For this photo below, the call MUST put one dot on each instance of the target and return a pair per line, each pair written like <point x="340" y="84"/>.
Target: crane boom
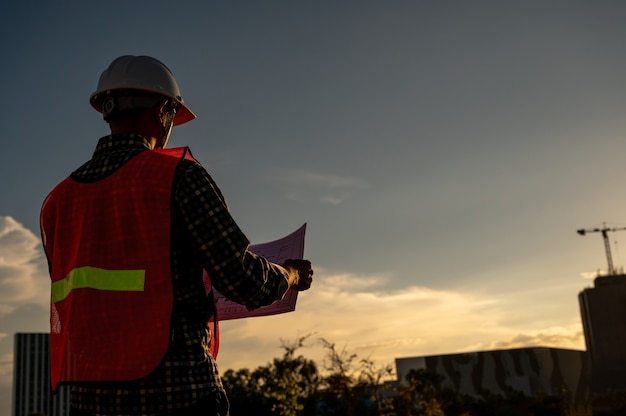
<point x="607" y="246"/>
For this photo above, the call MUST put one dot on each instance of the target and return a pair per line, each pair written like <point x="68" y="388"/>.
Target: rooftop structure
<point x="32" y="393"/>
<point x="532" y="371"/>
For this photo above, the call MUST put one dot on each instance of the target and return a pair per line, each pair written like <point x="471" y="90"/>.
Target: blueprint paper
<point x="288" y="247"/>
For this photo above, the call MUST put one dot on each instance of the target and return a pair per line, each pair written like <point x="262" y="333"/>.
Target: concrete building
<point x="603" y="312"/>
<point x="532" y="371"/>
<point x="31" y="378"/>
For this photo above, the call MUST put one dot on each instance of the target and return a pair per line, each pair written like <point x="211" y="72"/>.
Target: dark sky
<point x="443" y="153"/>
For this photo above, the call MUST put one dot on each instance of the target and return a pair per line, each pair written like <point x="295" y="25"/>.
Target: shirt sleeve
<point x="221" y="247"/>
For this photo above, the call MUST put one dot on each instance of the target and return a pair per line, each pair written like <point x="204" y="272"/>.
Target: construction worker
<point x="127" y="236"/>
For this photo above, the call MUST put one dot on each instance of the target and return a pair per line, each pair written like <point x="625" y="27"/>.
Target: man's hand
<point x="300" y="274"/>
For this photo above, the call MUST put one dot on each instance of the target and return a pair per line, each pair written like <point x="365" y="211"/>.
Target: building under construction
<point x="603" y="312"/>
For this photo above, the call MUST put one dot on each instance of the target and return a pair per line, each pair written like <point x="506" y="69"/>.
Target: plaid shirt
<point x="204" y="236"/>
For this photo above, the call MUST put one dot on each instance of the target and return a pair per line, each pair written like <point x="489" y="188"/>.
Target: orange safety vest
<point x="108" y="246"/>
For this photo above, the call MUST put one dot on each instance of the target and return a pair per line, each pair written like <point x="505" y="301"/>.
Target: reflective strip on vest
<point x="101" y="279"/>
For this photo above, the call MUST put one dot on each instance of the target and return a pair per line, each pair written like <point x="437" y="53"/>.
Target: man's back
<point x="188" y="367"/>
<point x="140" y="100"/>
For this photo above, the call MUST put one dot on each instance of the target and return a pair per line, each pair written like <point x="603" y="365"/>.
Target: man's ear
<point x="162" y="106"/>
<point x="157" y="112"/>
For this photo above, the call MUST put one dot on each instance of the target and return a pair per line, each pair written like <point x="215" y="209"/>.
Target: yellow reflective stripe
<point x="101" y="279"/>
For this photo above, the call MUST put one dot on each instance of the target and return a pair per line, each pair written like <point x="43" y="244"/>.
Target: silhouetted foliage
<point x="285" y="387"/>
<point x="338" y="383"/>
<point x="373" y="378"/>
<point x="292" y="386"/>
<point x="245" y="392"/>
<point x="610" y="404"/>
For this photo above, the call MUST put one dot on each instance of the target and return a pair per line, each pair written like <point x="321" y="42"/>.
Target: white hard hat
<point x="143" y="74"/>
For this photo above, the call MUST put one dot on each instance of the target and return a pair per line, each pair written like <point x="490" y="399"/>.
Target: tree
<point x="291" y="386"/>
<point x="341" y="378"/>
<point x="293" y="380"/>
<point x="285" y="387"/>
<point x="373" y="378"/>
<point x="245" y="392"/>
<point x="422" y="392"/>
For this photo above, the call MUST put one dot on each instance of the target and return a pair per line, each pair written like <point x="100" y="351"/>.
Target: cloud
<point x="6" y="379"/>
<point x="357" y="312"/>
<point x="558" y="337"/>
<point x="23" y="271"/>
<point x="24" y="292"/>
<point x="305" y="185"/>
<point x="597" y="273"/>
<point x="6" y="369"/>
<point x="30" y="317"/>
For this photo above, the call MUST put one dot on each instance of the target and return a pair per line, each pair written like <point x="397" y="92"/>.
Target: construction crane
<point x="607" y="246"/>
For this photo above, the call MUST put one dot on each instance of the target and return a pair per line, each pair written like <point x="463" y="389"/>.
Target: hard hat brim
<point x="183" y="115"/>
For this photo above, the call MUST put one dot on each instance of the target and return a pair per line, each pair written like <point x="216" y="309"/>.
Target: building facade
<point x="32" y="393"/>
<point x="532" y="371"/>
<point x="603" y="312"/>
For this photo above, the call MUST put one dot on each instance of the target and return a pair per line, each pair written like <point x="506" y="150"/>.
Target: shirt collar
<point x="117" y="142"/>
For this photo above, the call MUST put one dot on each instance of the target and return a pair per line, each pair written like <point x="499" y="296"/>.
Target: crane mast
<point x="607" y="245"/>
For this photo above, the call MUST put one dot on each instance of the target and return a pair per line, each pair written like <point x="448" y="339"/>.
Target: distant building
<point x="603" y="311"/>
<point x="531" y="371"/>
<point x="31" y="378"/>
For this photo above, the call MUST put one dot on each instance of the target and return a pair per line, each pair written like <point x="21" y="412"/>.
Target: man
<point x="127" y="237"/>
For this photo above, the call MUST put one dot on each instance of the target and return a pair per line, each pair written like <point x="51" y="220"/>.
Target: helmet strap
<point x="167" y="112"/>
